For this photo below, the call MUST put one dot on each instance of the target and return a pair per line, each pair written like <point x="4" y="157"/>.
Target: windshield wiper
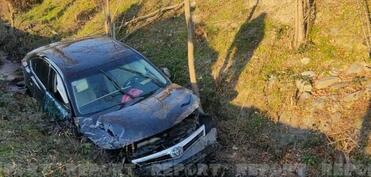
<point x="109" y="107"/>
<point x="132" y="102"/>
<point x="156" y="80"/>
<point x="117" y="86"/>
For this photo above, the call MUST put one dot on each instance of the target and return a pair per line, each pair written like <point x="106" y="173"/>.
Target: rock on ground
<point x="353" y="96"/>
<point x="303" y="85"/>
<point x="305" y="60"/>
<point x="355" y="68"/>
<point x="326" y="82"/>
<point x="304" y="96"/>
<point x="309" y="74"/>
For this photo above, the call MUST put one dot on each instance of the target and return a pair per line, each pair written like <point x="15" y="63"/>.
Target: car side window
<point x="41" y="69"/>
<point x="57" y="88"/>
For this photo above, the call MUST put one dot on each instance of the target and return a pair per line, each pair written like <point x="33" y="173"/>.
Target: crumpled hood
<point x="151" y="116"/>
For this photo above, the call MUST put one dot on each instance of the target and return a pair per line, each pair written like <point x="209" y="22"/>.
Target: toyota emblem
<point x="176" y="152"/>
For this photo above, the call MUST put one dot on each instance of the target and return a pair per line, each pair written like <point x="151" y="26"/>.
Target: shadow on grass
<point x="248" y="135"/>
<point x="17" y="43"/>
<point x="257" y="138"/>
<point x="245" y="133"/>
<point x="364" y="135"/>
<point x="245" y="42"/>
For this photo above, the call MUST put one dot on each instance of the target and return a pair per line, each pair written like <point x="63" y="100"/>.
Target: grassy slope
<point x="236" y="55"/>
<point x="30" y="138"/>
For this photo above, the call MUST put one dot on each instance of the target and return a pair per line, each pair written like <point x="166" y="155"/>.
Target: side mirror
<point x="166" y="71"/>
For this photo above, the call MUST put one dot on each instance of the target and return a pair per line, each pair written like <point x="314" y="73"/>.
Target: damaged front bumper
<point x="192" y="149"/>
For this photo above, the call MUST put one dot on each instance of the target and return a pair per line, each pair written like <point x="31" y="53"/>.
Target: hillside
<point x="273" y="104"/>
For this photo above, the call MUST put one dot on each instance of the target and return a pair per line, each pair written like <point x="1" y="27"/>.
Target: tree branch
<point x="158" y="13"/>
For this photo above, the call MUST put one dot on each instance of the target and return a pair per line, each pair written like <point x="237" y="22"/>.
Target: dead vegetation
<point x="137" y="23"/>
<point x="22" y="5"/>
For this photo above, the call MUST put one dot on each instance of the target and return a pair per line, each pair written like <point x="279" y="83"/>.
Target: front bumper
<point x="198" y="151"/>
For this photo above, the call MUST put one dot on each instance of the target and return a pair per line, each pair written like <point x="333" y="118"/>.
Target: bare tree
<point x="299" y="24"/>
<point x="305" y="12"/>
<point x="141" y="21"/>
<point x="108" y="19"/>
<point x="191" y="60"/>
<point x="11" y="12"/>
<point x="191" y="63"/>
<point x="366" y="24"/>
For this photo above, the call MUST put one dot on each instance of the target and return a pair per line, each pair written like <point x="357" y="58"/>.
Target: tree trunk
<point x="300" y="30"/>
<point x="11" y="16"/>
<point x="108" y="20"/>
<point x="366" y="24"/>
<point x="191" y="62"/>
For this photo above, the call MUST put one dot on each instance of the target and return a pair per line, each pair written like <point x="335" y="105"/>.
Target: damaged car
<point x="118" y="99"/>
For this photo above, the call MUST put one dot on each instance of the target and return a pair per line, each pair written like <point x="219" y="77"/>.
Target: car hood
<point x="133" y="123"/>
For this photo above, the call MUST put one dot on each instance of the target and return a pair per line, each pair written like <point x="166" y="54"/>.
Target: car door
<point x="45" y="89"/>
<point x="56" y="102"/>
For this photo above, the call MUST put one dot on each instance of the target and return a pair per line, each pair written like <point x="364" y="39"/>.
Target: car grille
<point x="157" y="159"/>
<point x="189" y="144"/>
<point x="166" y="139"/>
<point x="166" y="154"/>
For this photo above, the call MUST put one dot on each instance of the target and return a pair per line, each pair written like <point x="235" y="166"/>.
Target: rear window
<point x="41" y="69"/>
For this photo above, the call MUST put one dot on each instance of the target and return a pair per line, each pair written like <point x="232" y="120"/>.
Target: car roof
<point x="74" y="56"/>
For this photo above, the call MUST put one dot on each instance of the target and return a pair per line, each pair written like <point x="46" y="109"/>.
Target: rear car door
<point x="48" y="90"/>
<point x="56" y="102"/>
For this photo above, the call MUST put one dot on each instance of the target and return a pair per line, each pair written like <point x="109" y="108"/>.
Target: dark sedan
<point x="119" y="100"/>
